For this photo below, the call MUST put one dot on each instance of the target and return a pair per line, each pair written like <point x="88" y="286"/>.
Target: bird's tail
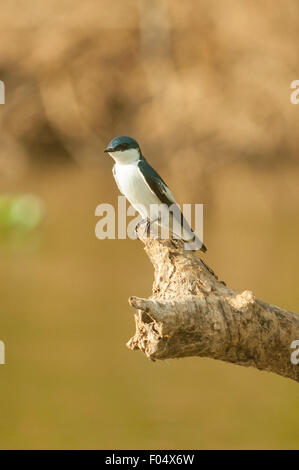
<point x="192" y="241"/>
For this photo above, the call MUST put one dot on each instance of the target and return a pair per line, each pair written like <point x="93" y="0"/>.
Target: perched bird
<point x="146" y="190"/>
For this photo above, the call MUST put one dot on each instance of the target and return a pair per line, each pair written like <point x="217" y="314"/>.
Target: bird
<point x="145" y="190"/>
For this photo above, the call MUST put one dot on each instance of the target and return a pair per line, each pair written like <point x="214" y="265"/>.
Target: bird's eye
<point x="124" y="146"/>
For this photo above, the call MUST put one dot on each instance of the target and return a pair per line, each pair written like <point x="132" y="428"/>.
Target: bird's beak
<point x="108" y="149"/>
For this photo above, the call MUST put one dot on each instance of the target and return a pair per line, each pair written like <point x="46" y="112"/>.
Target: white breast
<point x="133" y="186"/>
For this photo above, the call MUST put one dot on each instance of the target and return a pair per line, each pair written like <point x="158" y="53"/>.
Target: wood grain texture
<point x="192" y="313"/>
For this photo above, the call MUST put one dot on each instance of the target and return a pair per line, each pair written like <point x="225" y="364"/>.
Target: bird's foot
<point x="149" y="224"/>
<point x="141" y="222"/>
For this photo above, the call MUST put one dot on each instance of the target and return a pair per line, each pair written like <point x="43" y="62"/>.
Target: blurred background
<point x="204" y="86"/>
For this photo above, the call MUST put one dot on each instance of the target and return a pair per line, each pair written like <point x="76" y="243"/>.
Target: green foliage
<point x="20" y="213"/>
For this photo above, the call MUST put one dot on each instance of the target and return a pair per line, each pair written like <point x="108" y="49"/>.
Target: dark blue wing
<point x="161" y="190"/>
<point x="155" y="183"/>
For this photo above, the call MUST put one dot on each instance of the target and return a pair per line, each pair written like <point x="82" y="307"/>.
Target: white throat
<point x="125" y="157"/>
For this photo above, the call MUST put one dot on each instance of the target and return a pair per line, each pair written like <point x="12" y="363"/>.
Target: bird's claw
<point x="141" y="222"/>
<point x="147" y="227"/>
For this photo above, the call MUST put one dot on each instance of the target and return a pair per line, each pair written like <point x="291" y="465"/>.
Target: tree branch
<point x="192" y="313"/>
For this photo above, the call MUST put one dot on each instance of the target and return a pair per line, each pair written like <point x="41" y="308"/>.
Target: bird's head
<point x="123" y="149"/>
